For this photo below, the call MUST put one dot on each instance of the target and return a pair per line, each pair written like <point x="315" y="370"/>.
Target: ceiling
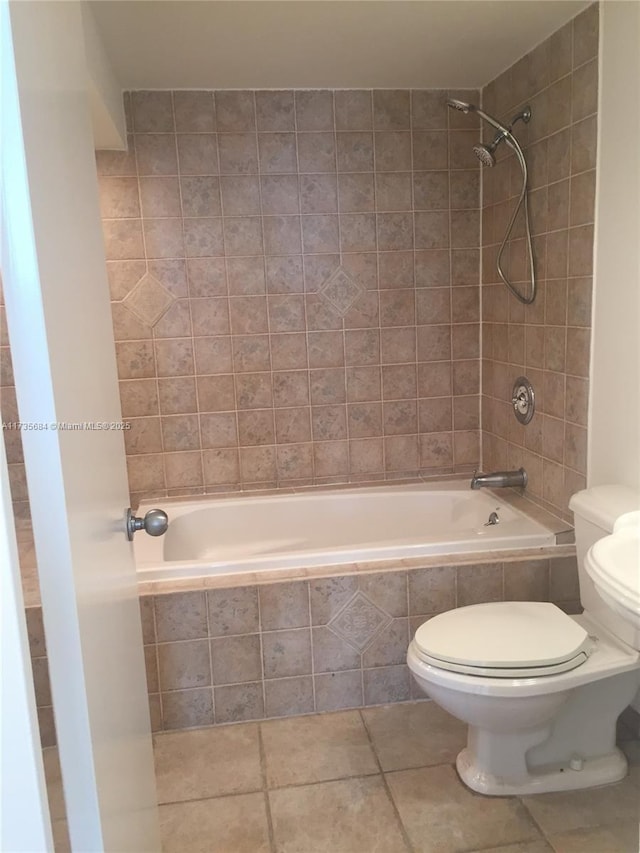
<point x="182" y="44"/>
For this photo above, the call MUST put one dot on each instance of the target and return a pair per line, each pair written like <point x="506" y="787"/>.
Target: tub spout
<point x="500" y="479"/>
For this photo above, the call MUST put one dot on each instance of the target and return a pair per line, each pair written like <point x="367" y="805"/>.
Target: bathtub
<point x="328" y="527"/>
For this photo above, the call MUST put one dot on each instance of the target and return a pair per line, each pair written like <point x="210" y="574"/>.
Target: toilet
<point x="541" y="691"/>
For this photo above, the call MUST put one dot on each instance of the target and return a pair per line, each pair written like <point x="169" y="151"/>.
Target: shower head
<point x="484" y="153"/>
<point x="462" y="106"/>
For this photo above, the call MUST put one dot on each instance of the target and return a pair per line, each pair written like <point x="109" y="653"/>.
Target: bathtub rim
<point x="192" y="574"/>
<point x="267" y="577"/>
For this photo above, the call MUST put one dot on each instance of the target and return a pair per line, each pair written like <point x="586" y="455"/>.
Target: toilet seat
<point x="514" y="639"/>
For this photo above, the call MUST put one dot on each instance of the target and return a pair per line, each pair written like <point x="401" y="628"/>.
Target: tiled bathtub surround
<point x="282" y="649"/>
<point x="9" y="413"/>
<point x="295" y="286"/>
<point x="549" y="340"/>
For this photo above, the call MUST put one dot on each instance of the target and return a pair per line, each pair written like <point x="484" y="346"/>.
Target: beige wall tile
<point x="287" y="653"/>
<point x="194" y="112"/>
<point x="286" y="697"/>
<point x="284" y="605"/>
<point x="479" y="583"/>
<point x="235" y="110"/>
<point x="237" y="702"/>
<point x="258" y="142"/>
<point x="156" y="154"/>
<point x="432" y="590"/>
<point x="526" y="581"/>
<point x="184" y="709"/>
<point x="183" y="665"/>
<point x="180" y="616"/>
<point x="338" y="690"/>
<point x="236" y="659"/>
<point x="355" y="152"/>
<point x="275" y="110"/>
<point x="152" y="112"/>
<point x="353" y="109"/>
<point x="221" y="467"/>
<point x="238" y="154"/>
<point x="292" y="425"/>
<point x="386" y="684"/>
<point x="233" y="611"/>
<point x="585" y="35"/>
<point x="35" y="630"/>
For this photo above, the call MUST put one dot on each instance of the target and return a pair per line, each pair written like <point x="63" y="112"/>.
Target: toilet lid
<point x="513" y="635"/>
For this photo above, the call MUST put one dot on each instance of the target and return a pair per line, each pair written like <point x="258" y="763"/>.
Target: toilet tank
<point x="595" y="512"/>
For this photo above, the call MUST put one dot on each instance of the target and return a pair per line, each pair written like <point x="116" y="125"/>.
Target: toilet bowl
<point x="541" y="691"/>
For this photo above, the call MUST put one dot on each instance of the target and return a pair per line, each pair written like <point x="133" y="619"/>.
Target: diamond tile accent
<point x="359" y="621"/>
<point x="340" y="291"/>
<point x="148" y="300"/>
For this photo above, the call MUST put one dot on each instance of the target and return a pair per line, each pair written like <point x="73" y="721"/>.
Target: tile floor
<point x="379" y="780"/>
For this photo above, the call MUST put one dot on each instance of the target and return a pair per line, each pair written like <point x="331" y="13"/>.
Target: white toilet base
<point x="594" y="772"/>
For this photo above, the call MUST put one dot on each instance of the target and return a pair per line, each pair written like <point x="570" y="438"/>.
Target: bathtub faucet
<point x="499" y="479"/>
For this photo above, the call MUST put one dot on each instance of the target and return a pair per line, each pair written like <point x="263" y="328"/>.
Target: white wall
<point x="614" y="410"/>
<point x="105" y="91"/>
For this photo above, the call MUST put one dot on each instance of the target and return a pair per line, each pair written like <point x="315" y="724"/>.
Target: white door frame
<point x="24" y="810"/>
<point x="59" y="320"/>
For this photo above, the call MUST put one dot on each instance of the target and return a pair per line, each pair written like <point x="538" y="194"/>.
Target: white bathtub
<point x="221" y="536"/>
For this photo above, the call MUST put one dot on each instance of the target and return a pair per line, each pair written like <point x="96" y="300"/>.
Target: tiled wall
<point x="549" y="340"/>
<point x="9" y="414"/>
<point x="295" y="285"/>
<point x="282" y="649"/>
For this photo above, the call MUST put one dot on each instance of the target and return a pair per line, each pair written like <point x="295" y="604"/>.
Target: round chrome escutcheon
<point x="523" y="399"/>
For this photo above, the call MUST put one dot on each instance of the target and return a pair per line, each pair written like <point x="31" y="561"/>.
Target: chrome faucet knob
<point x="155" y="523"/>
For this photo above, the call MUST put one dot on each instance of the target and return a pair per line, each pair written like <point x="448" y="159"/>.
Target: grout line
<point x="313" y="662"/>
<point x="267" y="295"/>
<point x="303" y="266"/>
<point x="210" y="644"/>
<point x="190" y="306"/>
<point x="214" y="797"/>
<point x="157" y="657"/>
<point x="261" y="642"/>
<point x="152" y="338"/>
<point x="385" y="783"/>
<point x="534" y="821"/>
<point x="265" y="789"/>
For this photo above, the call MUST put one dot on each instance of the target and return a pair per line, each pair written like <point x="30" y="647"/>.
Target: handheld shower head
<point x="462" y="106"/>
<point x="485" y="153"/>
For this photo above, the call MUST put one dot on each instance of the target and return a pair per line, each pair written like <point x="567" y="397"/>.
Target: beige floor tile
<point x="302" y="750"/>
<point x="621" y="838"/>
<point x="53" y="777"/>
<point x="414" y="735"/>
<point x="207" y="763"/>
<point x="566" y="810"/>
<point x="235" y="824"/>
<point x="442" y="816"/>
<point x="347" y="816"/>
